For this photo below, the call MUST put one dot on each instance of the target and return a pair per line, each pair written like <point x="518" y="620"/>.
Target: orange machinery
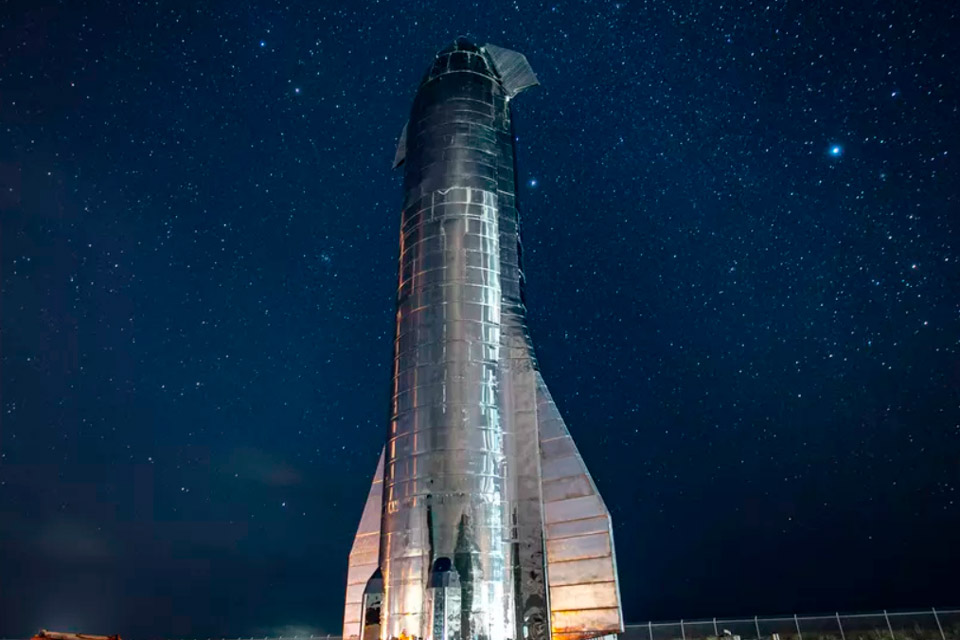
<point x="57" y="635"/>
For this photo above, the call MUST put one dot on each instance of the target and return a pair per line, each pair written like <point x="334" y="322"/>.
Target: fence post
<point x="796" y="621"/>
<point x="716" y="632"/>
<point x="756" y="624"/>
<point x="889" y="626"/>
<point x="840" y="624"/>
<point x="650" y="627"/>
<point x="939" y="626"/>
<point x="682" y="632"/>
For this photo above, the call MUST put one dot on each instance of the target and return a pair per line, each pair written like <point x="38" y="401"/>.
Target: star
<point x="836" y="151"/>
<point x="533" y="182"/>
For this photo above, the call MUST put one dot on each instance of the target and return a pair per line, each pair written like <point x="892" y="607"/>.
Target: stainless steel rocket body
<point x="444" y="483"/>
<point x="481" y="510"/>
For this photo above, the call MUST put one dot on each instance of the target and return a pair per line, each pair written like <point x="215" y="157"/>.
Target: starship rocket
<point x="482" y="522"/>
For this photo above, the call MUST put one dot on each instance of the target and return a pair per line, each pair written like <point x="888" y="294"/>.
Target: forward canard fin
<point x="515" y="72"/>
<point x="401" y="154"/>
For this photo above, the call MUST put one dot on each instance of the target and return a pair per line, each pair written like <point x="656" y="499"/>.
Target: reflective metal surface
<point x="445" y="475"/>
<point x="364" y="557"/>
<point x="466" y="549"/>
<point x="581" y="563"/>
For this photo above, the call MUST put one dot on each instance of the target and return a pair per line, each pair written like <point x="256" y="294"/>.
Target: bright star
<point x="836" y="151"/>
<point x="297" y="91"/>
<point x="263" y="43"/>
<point x="533" y="182"/>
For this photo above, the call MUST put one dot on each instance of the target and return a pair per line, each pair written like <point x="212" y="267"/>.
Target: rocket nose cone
<point x="462" y="43"/>
<point x="462" y="55"/>
<point x="465" y="44"/>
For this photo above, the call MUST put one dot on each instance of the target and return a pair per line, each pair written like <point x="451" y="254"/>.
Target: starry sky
<point x="741" y="242"/>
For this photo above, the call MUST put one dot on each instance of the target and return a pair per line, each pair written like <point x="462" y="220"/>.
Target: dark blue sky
<point x="741" y="242"/>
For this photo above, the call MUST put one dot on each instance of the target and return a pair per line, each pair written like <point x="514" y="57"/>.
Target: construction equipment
<point x="58" y="635"/>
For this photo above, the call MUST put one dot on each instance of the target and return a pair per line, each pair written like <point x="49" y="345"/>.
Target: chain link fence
<point x="933" y="624"/>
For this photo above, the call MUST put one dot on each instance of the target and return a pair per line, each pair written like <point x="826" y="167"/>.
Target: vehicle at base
<point x="59" y="635"/>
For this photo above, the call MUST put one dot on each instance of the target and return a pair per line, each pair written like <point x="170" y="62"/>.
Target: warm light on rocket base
<point x="482" y="522"/>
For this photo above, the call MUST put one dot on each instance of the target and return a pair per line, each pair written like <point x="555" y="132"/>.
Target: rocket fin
<point x="584" y="591"/>
<point x="364" y="557"/>
<point x="401" y="153"/>
<point x="527" y="561"/>
<point x="516" y="74"/>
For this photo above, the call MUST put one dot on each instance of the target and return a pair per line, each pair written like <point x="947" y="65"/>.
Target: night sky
<point x="741" y="244"/>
